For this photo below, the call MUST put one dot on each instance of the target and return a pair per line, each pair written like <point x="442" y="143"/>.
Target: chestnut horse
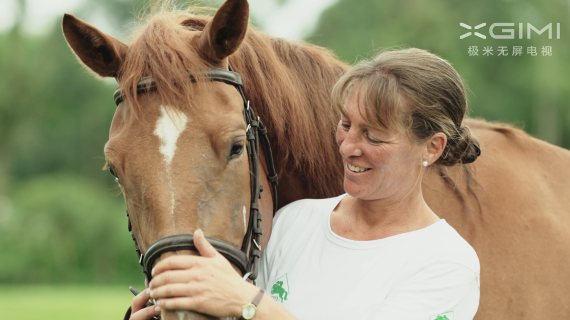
<point x="175" y="151"/>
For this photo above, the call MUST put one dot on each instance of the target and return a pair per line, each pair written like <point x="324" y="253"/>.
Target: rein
<point x="246" y="258"/>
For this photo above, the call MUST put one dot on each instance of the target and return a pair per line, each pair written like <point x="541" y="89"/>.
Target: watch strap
<point x="258" y="297"/>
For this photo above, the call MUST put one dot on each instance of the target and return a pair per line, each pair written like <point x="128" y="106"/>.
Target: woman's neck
<point x="362" y="220"/>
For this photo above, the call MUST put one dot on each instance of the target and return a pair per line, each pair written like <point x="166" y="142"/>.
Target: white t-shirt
<point x="431" y="273"/>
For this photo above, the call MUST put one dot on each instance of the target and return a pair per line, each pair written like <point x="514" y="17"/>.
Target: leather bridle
<point x="246" y="259"/>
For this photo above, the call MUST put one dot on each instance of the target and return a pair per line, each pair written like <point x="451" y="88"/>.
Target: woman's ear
<point x="100" y="52"/>
<point x="435" y="146"/>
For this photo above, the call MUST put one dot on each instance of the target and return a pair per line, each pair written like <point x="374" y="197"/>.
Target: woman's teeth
<point x="357" y="169"/>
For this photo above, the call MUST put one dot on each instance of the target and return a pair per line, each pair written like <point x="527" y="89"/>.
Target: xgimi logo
<point x="509" y="33"/>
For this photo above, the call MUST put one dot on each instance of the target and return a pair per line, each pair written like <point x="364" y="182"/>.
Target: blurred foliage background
<point x="530" y="92"/>
<point x="61" y="220"/>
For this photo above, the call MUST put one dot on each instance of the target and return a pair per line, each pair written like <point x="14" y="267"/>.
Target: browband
<point x="148" y="84"/>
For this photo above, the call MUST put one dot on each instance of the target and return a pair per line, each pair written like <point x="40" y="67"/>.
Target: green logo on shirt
<point x="280" y="289"/>
<point x="443" y="316"/>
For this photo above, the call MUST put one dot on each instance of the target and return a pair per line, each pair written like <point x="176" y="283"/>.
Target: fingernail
<point x="156" y="309"/>
<point x="152" y="293"/>
<point x="152" y="273"/>
<point x="199" y="231"/>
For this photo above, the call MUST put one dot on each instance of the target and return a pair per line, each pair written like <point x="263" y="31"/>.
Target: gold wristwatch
<point x="249" y="309"/>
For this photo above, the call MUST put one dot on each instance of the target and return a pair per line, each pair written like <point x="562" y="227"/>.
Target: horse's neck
<point x="292" y="96"/>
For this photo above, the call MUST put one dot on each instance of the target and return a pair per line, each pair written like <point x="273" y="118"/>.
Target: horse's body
<point x="521" y="233"/>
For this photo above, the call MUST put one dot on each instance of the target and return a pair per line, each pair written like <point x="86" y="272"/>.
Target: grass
<point x="32" y="302"/>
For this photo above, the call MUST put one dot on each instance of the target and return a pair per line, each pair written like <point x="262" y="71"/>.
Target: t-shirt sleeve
<point x="445" y="291"/>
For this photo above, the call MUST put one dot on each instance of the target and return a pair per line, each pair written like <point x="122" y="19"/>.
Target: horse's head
<point x="178" y="151"/>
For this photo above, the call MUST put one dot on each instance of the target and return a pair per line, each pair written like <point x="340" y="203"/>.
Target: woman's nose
<point x="349" y="144"/>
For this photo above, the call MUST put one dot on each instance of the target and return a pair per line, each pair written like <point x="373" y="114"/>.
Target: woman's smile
<point x="356" y="169"/>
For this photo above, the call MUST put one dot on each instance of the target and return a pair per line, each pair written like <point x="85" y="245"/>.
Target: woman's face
<point x="378" y="164"/>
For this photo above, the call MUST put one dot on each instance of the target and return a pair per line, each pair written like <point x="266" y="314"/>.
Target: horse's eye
<point x="112" y="172"/>
<point x="237" y="149"/>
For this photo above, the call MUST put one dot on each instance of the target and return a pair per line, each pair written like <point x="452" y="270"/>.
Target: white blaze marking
<point x="168" y="128"/>
<point x="244" y="222"/>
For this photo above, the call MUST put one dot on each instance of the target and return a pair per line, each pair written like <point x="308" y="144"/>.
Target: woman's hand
<point x="207" y="284"/>
<point x="138" y="312"/>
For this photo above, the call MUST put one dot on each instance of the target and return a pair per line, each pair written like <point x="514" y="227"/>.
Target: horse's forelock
<point x="162" y="49"/>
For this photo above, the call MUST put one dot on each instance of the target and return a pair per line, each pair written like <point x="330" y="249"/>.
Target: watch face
<point x="248" y="311"/>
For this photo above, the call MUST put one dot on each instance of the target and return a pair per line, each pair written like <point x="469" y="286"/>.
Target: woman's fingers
<point x="146" y="313"/>
<point x="138" y="311"/>
<point x="181" y="303"/>
<point x="174" y="263"/>
<point x="139" y="300"/>
<point x="205" y="249"/>
<point x="174" y="276"/>
<point x="172" y="291"/>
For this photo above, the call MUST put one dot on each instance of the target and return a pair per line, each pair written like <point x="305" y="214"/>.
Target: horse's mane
<point x="288" y="84"/>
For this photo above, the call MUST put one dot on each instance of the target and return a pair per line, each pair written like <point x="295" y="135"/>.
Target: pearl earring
<point x="425" y="163"/>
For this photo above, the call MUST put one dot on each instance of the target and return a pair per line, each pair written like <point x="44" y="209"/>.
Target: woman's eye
<point x="237" y="149"/>
<point x="345" y="125"/>
<point x="373" y="141"/>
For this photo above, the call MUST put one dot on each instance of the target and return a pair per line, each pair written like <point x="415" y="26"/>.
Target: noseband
<point x="246" y="259"/>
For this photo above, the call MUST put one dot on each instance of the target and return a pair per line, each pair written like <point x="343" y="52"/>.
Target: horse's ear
<point x="100" y="52"/>
<point x="223" y="35"/>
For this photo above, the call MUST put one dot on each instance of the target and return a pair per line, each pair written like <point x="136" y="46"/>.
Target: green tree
<point x="56" y="204"/>
<point x="65" y="228"/>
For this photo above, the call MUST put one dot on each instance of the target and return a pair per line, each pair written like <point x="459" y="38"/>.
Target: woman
<point x="377" y="252"/>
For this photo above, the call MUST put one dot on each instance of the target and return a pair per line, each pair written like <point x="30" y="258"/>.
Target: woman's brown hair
<point x="415" y="91"/>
